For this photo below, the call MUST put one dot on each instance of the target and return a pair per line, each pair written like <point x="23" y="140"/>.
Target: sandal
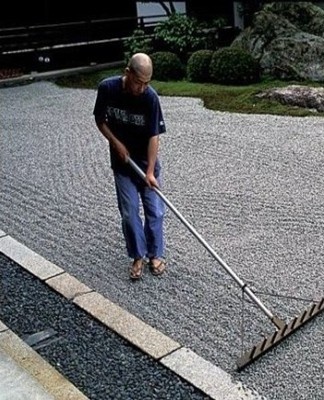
<point x="137" y="269"/>
<point x="159" y="268"/>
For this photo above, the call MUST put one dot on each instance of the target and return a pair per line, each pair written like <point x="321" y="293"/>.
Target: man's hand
<point x="151" y="181"/>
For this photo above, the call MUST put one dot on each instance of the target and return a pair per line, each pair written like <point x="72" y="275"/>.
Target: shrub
<point x="180" y="34"/>
<point x="167" y="66"/>
<point x="233" y="66"/>
<point x="198" y="66"/>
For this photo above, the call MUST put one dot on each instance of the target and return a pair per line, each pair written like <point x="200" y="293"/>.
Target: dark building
<point x="43" y="12"/>
<point x="47" y="34"/>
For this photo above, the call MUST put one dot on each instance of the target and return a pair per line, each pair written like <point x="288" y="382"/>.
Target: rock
<point x="287" y="38"/>
<point x="297" y="95"/>
<point x="304" y="15"/>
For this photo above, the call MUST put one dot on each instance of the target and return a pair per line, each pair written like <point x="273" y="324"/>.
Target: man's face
<point x="136" y="82"/>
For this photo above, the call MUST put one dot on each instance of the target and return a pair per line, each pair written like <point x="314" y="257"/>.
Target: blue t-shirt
<point x="132" y="119"/>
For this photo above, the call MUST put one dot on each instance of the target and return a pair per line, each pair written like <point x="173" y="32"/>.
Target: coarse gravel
<point x="96" y="360"/>
<point x="251" y="185"/>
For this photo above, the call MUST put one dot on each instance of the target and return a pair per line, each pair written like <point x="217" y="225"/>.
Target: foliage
<point x="180" y="33"/>
<point x="198" y="66"/>
<point x="167" y="66"/>
<point x="139" y="42"/>
<point x="233" y="66"/>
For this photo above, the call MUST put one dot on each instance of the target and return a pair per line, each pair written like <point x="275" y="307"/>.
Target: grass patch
<point x="236" y="99"/>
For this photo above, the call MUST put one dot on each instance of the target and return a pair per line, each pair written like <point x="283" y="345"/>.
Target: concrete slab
<point x="68" y="286"/>
<point x="3" y="327"/>
<point x="16" y="383"/>
<point x="28" y="259"/>
<point x="142" y="335"/>
<point x="204" y="375"/>
<point x="24" y="374"/>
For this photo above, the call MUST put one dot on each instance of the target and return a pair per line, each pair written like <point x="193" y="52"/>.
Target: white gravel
<point x="251" y="185"/>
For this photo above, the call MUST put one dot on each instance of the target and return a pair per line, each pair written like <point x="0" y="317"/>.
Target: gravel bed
<point x="96" y="360"/>
<point x="251" y="185"/>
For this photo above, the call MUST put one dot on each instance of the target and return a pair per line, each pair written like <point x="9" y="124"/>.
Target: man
<point x="128" y="113"/>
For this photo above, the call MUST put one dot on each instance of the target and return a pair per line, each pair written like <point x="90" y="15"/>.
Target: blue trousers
<point x="143" y="236"/>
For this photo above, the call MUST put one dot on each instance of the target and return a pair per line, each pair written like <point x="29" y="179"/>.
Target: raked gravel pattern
<point x="251" y="185"/>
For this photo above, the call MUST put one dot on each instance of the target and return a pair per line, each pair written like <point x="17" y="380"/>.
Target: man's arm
<point x="115" y="144"/>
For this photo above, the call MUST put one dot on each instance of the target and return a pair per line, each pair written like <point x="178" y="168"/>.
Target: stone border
<point x="205" y="376"/>
<point x="40" y="379"/>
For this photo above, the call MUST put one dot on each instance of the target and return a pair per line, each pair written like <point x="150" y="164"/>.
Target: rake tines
<point x="279" y="335"/>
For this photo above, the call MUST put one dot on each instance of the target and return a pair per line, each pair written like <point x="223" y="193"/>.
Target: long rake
<point x="283" y="329"/>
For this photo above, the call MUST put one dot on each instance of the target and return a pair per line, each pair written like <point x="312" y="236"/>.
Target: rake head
<point x="284" y="330"/>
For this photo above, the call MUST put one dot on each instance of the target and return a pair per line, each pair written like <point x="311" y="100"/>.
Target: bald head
<point x="141" y="64"/>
